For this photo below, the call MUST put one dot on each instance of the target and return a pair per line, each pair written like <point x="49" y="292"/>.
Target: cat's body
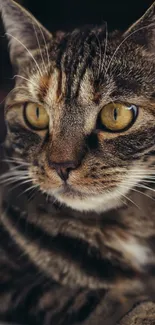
<point x="56" y="268"/>
<point x="80" y="129"/>
<point x="53" y="265"/>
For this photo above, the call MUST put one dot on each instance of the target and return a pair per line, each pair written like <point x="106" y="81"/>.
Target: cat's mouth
<point x="78" y="200"/>
<point x="67" y="190"/>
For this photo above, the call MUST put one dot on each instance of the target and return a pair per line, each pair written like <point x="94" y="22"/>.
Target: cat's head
<point x="81" y="117"/>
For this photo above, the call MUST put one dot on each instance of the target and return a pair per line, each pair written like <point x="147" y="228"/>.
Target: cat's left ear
<point x="24" y="32"/>
<point x="143" y="30"/>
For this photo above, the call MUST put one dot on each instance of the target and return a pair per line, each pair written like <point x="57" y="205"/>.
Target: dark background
<point x="66" y="15"/>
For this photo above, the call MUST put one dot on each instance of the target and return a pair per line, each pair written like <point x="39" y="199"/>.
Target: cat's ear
<point x="143" y="30"/>
<point x="24" y="32"/>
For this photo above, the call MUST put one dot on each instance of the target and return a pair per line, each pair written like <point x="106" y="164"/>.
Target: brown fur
<point x="83" y="259"/>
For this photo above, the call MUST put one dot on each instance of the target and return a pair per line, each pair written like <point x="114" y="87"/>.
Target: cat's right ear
<point x="143" y="30"/>
<point x="24" y="32"/>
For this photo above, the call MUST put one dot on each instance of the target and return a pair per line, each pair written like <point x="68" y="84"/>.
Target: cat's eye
<point x="117" y="117"/>
<point x="36" y="116"/>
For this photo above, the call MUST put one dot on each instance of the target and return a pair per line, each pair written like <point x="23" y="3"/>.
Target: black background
<point x="69" y="14"/>
<point x="66" y="15"/>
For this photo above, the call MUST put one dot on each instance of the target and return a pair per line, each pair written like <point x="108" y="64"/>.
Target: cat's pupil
<point x="37" y="112"/>
<point x="115" y="114"/>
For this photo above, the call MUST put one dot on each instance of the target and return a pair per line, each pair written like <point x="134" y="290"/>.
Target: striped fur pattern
<point x="67" y="255"/>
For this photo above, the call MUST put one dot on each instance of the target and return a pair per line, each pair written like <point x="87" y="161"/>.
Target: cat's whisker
<point x="123" y="41"/>
<point x="143" y="173"/>
<point x="12" y="169"/>
<point x="13" y="180"/>
<point x="100" y="49"/>
<point x="142" y="186"/>
<point x="29" y="81"/>
<point x="18" y="163"/>
<point x="48" y="57"/>
<point x="47" y="196"/>
<point x="12" y="174"/>
<point x="20" y="184"/>
<point x="152" y="181"/>
<point x="15" y="159"/>
<point x="41" y="54"/>
<point x="105" y="48"/>
<point x="127" y="198"/>
<point x="137" y="191"/>
<point x="18" y="160"/>
<point x="17" y="167"/>
<point x="143" y="183"/>
<point x="142" y="177"/>
<point x="6" y="177"/>
<point x="32" y="193"/>
<point x="133" y="183"/>
<point x="31" y="55"/>
<point x="124" y="202"/>
<point x="20" y="87"/>
<point x="143" y="170"/>
<point x="146" y="179"/>
<point x="16" y="172"/>
<point x="27" y="190"/>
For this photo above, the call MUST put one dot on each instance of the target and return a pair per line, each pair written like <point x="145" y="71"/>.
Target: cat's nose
<point x="63" y="169"/>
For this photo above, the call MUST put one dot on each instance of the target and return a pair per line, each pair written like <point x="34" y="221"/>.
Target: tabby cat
<point x="77" y="227"/>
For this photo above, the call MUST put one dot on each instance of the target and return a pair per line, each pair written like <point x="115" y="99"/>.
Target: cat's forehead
<point x="55" y="89"/>
<point x="86" y="68"/>
<point x="91" y="67"/>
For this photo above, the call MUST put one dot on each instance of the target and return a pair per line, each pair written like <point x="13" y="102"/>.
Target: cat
<point x="80" y="146"/>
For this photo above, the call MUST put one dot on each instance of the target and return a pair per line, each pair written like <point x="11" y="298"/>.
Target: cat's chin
<point x="96" y="203"/>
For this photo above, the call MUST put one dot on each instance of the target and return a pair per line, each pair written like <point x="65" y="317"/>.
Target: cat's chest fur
<point x="69" y="261"/>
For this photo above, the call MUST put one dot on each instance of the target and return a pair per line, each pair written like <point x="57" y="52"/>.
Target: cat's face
<point x="82" y="114"/>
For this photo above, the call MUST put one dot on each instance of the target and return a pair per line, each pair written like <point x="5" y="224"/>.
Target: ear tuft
<point x="24" y="32"/>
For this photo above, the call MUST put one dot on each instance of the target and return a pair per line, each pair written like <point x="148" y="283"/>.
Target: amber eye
<point x="36" y="116"/>
<point x="116" y="117"/>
